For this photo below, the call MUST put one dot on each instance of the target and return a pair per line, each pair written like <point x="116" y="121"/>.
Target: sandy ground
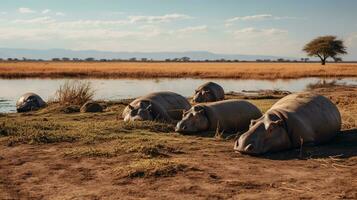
<point x="205" y="167"/>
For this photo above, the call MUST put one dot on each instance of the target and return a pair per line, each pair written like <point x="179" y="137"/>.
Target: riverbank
<point x="51" y="154"/>
<point x="15" y="70"/>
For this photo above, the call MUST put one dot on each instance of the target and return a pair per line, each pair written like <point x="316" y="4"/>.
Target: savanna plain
<point x="54" y="153"/>
<point x="242" y="70"/>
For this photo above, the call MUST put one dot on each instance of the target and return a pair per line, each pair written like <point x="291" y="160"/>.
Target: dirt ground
<point x="96" y="156"/>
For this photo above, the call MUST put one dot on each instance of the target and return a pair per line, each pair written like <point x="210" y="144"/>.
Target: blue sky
<point x="265" y="27"/>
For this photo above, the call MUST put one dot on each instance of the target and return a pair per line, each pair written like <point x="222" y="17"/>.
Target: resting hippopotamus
<point x="297" y="119"/>
<point x="208" y="92"/>
<point x="162" y="106"/>
<point x="29" y="102"/>
<point x="228" y="115"/>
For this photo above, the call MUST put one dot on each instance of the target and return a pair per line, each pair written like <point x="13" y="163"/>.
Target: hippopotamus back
<point x="29" y="102"/>
<point x="208" y="92"/>
<point x="312" y="117"/>
<point x="297" y="119"/>
<point x="228" y="116"/>
<point x="231" y="115"/>
<point x="166" y="106"/>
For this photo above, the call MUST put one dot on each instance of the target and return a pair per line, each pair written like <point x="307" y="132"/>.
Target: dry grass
<point x="175" y="70"/>
<point x="74" y="93"/>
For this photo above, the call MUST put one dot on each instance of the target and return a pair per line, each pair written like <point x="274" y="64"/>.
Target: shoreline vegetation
<point x="112" y="70"/>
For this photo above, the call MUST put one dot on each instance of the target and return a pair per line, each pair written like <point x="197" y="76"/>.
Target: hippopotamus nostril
<point x="180" y="127"/>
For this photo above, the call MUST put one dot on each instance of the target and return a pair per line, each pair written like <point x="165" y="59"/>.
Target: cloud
<point x="254" y="32"/>
<point x="26" y="11"/>
<point x="253" y="40"/>
<point x="3" y="13"/>
<point x="158" y="19"/>
<point x="60" y="14"/>
<point x="251" y="17"/>
<point x="39" y="20"/>
<point x="260" y="17"/>
<point x="97" y="23"/>
<point x="46" y="11"/>
<point x="193" y="29"/>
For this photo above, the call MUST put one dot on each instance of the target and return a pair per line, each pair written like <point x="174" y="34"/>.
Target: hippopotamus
<point x="208" y="92"/>
<point x="295" y="120"/>
<point x="29" y="102"/>
<point x="161" y="106"/>
<point x="227" y="115"/>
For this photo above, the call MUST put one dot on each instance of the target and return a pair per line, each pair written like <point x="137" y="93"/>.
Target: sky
<point x="254" y="27"/>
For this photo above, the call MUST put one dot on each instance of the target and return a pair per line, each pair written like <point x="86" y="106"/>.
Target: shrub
<point x="74" y="93"/>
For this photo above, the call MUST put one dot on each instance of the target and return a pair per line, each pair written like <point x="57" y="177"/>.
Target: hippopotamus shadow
<point x="344" y="145"/>
<point x="231" y="136"/>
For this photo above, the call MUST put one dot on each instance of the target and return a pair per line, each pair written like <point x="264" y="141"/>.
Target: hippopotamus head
<point x="203" y="95"/>
<point x="193" y="120"/>
<point x="29" y="102"/>
<point x="141" y="112"/>
<point x="263" y="135"/>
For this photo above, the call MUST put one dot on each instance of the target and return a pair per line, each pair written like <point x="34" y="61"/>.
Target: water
<point x="111" y="89"/>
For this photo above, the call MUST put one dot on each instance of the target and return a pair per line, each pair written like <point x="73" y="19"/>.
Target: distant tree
<point x="132" y="59"/>
<point x="76" y="59"/>
<point x="90" y="59"/>
<point x="144" y="59"/>
<point x="281" y="60"/>
<point x="185" y="59"/>
<point x="65" y="59"/>
<point x="56" y="59"/>
<point x="9" y="59"/>
<point x="167" y="60"/>
<point x="325" y="47"/>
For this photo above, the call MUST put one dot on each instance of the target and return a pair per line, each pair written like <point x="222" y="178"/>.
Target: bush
<point x="74" y="93"/>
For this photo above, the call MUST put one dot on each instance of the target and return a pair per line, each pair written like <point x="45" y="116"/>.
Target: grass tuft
<point x="74" y="93"/>
<point x="145" y="168"/>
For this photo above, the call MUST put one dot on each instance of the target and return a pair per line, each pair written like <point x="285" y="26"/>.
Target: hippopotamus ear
<point x="197" y="108"/>
<point x="131" y="107"/>
<point x="253" y="122"/>
<point x="274" y="124"/>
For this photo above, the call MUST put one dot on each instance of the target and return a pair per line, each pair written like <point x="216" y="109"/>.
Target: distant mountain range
<point x="82" y="54"/>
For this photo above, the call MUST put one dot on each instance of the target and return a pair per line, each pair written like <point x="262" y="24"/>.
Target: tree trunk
<point x="323" y="61"/>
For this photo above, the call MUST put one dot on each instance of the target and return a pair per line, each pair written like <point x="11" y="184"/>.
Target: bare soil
<point x="110" y="160"/>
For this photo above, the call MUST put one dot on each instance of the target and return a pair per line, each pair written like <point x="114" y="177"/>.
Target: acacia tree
<point x="325" y="47"/>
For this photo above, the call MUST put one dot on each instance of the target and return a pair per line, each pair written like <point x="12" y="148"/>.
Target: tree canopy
<point x="325" y="47"/>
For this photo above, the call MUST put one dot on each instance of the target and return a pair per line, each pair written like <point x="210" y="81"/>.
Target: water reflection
<point x="109" y="89"/>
